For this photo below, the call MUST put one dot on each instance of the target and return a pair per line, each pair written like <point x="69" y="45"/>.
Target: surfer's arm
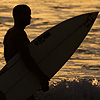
<point x="31" y="64"/>
<point x="23" y="48"/>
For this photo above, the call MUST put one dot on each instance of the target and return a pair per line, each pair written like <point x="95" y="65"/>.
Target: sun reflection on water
<point x="47" y="13"/>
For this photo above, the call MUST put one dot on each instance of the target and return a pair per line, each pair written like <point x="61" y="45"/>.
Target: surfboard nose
<point x="94" y="15"/>
<point x="90" y="19"/>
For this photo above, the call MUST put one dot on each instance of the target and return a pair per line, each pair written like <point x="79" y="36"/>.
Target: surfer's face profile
<point x="22" y="15"/>
<point x="26" y="18"/>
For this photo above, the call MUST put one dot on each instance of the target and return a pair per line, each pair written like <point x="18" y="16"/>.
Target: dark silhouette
<point x="16" y="41"/>
<point x="2" y="96"/>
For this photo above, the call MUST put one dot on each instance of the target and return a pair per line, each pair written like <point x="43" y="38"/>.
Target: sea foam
<point x="81" y="89"/>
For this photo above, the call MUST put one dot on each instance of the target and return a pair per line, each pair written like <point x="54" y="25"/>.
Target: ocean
<point x="81" y="74"/>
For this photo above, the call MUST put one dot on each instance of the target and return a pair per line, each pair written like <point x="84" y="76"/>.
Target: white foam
<point x="71" y="90"/>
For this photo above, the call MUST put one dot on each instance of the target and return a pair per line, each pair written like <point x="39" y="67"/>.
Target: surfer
<point x="16" y="41"/>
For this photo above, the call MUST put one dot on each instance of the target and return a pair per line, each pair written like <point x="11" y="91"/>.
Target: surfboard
<point x="51" y="50"/>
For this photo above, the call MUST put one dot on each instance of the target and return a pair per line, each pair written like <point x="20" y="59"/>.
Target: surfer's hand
<point x="45" y="86"/>
<point x="44" y="83"/>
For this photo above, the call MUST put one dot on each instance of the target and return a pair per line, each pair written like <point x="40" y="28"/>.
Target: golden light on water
<point x="47" y="13"/>
<point x="95" y="82"/>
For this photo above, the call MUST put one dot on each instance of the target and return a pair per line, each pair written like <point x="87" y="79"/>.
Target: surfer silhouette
<point x="16" y="41"/>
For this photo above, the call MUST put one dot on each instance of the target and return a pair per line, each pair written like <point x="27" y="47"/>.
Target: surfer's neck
<point x="19" y="26"/>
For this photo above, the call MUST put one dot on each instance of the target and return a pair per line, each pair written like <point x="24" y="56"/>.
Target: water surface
<point x="85" y="63"/>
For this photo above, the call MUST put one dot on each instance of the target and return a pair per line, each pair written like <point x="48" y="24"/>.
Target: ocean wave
<point x="81" y="89"/>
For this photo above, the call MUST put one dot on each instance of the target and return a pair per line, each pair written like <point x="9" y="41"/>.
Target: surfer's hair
<point x="20" y="10"/>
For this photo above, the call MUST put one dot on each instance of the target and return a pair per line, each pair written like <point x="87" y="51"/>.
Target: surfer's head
<point x="22" y="15"/>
